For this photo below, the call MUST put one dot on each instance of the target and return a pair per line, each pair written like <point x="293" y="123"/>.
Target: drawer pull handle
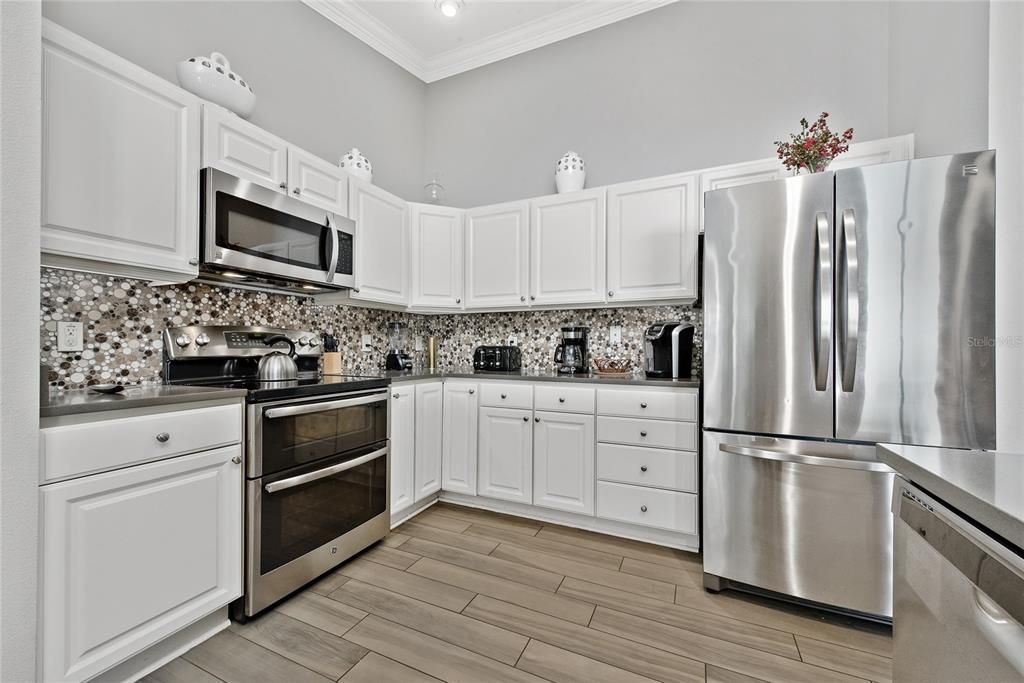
<point x="504" y="395"/>
<point x="643" y="433"/>
<point x="394" y="395"/>
<point x="237" y="460"/>
<point x="536" y="419"/>
<point x="643" y="468"/>
<point x="163" y="437"/>
<point x="643" y="508"/>
<point x="561" y="400"/>
<point x="472" y="391"/>
<point x="643" y="405"/>
<point x="526" y="419"/>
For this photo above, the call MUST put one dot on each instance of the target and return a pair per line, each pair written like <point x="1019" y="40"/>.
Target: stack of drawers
<point x="647" y="457"/>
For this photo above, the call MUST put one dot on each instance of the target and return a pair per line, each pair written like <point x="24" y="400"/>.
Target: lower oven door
<point x="308" y="519"/>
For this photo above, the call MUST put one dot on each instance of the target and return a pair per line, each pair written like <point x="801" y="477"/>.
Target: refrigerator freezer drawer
<point x="802" y="518"/>
<point x="650" y="507"/>
<point x="657" y="433"/>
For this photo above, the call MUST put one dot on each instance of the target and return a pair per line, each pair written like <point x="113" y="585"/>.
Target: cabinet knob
<point x="355" y="289"/>
<point x="193" y="261"/>
<point x="504" y="395"/>
<point x="643" y="508"/>
<point x="237" y="460"/>
<point x="642" y="433"/>
<point x="643" y="405"/>
<point x="283" y="186"/>
<point x="472" y="391"/>
<point x="458" y="301"/>
<point x="522" y="298"/>
<point x="526" y="419"/>
<point x="561" y="400"/>
<point x="536" y="419"/>
<point x="643" y="468"/>
<point x="296" y="191"/>
<point x="394" y="395"/>
<point x="533" y="298"/>
<point x="163" y="437"/>
<point x="611" y="293"/>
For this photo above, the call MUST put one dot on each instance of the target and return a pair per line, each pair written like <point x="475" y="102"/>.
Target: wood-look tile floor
<point x="463" y="595"/>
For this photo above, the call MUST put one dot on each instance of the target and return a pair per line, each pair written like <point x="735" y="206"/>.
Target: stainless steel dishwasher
<point x="958" y="611"/>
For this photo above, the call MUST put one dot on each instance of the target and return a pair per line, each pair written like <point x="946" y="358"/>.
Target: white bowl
<point x="212" y="79"/>
<point x="355" y="163"/>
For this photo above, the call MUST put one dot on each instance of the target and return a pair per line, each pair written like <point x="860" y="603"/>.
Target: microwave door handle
<point x="333" y="232"/>
<point x="292" y="482"/>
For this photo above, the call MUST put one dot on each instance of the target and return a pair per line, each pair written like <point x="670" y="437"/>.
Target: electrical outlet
<point x="367" y="342"/>
<point x="512" y="341"/>
<point x="615" y="335"/>
<point x="418" y="346"/>
<point x="69" y="337"/>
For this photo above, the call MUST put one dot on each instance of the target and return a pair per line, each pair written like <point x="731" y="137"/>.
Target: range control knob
<point x="203" y="339"/>
<point x="304" y="341"/>
<point x="183" y="340"/>
<point x="314" y="342"/>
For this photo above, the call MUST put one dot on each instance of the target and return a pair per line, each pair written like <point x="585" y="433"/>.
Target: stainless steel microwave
<point x="253" y="236"/>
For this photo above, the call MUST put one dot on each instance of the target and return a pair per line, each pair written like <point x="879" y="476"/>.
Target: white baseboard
<point x="670" y="539"/>
<point x="408" y="513"/>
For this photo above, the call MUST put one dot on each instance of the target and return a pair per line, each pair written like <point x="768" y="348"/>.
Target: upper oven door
<point x="255" y="229"/>
<point x="286" y="434"/>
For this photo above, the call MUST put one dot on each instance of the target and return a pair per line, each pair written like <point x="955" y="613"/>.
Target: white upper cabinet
<point x="652" y="239"/>
<point x="567" y="248"/>
<point x="437" y="256"/>
<point x="724" y="177"/>
<point x="498" y="255"/>
<point x="120" y="165"/>
<point x="563" y="462"/>
<point x="381" y="244"/>
<point x="458" y="465"/>
<point x="316" y="181"/>
<point x="403" y="446"/>
<point x="243" y="149"/>
<point x="429" y="412"/>
<point x="881" y="151"/>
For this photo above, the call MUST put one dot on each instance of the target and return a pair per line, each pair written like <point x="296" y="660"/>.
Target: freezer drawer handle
<point x="822" y="304"/>
<point x="292" y="482"/>
<point x="849" y="300"/>
<point x="797" y="458"/>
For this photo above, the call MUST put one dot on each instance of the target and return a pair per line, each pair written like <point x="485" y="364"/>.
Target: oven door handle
<point x="301" y="479"/>
<point x="306" y="408"/>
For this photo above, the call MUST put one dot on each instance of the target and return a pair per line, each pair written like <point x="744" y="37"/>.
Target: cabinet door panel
<point x="381" y="244"/>
<point x="120" y="164"/>
<point x="567" y="237"/>
<point x="737" y="174"/>
<point x="242" y="149"/>
<point x="133" y="555"/>
<point x="436" y="255"/>
<point x="652" y="239"/>
<point x="403" y="446"/>
<point x="429" y="414"/>
<point x="458" y="467"/>
<point x="497" y="256"/>
<point x="563" y="462"/>
<point x="313" y="180"/>
<point x="506" y="454"/>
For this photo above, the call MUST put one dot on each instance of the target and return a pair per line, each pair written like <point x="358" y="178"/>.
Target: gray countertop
<point x="537" y="376"/>
<point x="987" y="486"/>
<point x="79" y="401"/>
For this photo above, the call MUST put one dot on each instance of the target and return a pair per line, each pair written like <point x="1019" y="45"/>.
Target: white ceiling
<point x="416" y="36"/>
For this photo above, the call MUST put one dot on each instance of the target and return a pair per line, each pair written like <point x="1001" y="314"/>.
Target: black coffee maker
<point x="572" y="355"/>
<point x="397" y="357"/>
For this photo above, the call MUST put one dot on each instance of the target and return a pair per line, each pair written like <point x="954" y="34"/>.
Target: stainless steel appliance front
<point x="252" y="235"/>
<point x="959" y="597"/>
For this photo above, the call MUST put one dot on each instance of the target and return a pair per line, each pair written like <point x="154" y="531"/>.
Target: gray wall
<point x="316" y="86"/>
<point x="699" y="84"/>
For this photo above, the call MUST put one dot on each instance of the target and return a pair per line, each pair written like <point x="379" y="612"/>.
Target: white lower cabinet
<point x="429" y="414"/>
<point x="403" y="446"/>
<point x="506" y="454"/>
<point x="563" y="461"/>
<point x="133" y="555"/>
<point x="458" y="460"/>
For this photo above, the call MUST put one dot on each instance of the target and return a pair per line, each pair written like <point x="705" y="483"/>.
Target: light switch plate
<point x="615" y="334"/>
<point x="69" y="336"/>
<point x="367" y="343"/>
<point x="418" y="346"/>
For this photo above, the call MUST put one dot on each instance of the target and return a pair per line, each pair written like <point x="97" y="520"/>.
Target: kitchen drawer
<point x="647" y="506"/>
<point x="656" y="433"/>
<point x="74" y="450"/>
<point x="659" y="405"/>
<point x="564" y="399"/>
<point x="675" y="470"/>
<point x="507" y="395"/>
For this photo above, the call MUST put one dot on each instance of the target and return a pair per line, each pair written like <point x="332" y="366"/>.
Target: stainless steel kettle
<point x="277" y="366"/>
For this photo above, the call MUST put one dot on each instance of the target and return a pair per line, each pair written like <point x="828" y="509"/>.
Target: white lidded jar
<point x="356" y="164"/>
<point x="570" y="173"/>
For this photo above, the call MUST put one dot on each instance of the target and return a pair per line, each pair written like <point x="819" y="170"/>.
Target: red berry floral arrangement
<point x="814" y="146"/>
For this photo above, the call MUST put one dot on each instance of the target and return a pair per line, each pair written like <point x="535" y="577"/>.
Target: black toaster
<point x="497" y="359"/>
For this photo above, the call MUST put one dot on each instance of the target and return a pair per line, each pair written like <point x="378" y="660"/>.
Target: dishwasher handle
<point x="762" y="453"/>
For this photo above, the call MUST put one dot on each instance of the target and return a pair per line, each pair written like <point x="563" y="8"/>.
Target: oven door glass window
<point x="304" y="433"/>
<point x="304" y="508"/>
<point x="263" y="232"/>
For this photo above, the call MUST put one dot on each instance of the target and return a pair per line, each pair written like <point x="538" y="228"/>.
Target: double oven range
<point x="316" y="455"/>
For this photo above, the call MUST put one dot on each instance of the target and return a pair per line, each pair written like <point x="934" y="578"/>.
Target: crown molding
<point x="557" y="26"/>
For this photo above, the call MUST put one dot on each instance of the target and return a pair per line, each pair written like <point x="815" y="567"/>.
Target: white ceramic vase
<point x="356" y="164"/>
<point x="212" y="79"/>
<point x="570" y="173"/>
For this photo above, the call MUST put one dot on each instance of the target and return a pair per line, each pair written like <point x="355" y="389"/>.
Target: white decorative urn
<point x="358" y="165"/>
<point x="212" y="79"/>
<point x="570" y="173"/>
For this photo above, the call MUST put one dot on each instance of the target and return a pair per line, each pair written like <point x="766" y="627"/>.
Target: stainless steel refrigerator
<point x="842" y="309"/>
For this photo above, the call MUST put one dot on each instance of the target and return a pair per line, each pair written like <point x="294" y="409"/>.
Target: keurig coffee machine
<point x="668" y="350"/>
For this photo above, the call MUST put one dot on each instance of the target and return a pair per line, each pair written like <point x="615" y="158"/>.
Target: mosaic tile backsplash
<point x="124" y="321"/>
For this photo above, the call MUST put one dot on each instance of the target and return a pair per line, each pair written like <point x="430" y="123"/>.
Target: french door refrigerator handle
<point x="333" y="267"/>
<point x="851" y="305"/>
<point x="823" y="303"/>
<point x="800" y="459"/>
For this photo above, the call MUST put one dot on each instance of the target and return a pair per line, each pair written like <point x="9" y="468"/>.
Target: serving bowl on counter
<point x="613" y="366"/>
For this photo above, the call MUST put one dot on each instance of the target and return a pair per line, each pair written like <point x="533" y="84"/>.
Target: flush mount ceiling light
<point x="449" y="8"/>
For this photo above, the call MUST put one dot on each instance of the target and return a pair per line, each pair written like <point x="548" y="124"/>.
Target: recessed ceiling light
<point x="229" y="273"/>
<point x="310" y="287"/>
<point x="449" y="8"/>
